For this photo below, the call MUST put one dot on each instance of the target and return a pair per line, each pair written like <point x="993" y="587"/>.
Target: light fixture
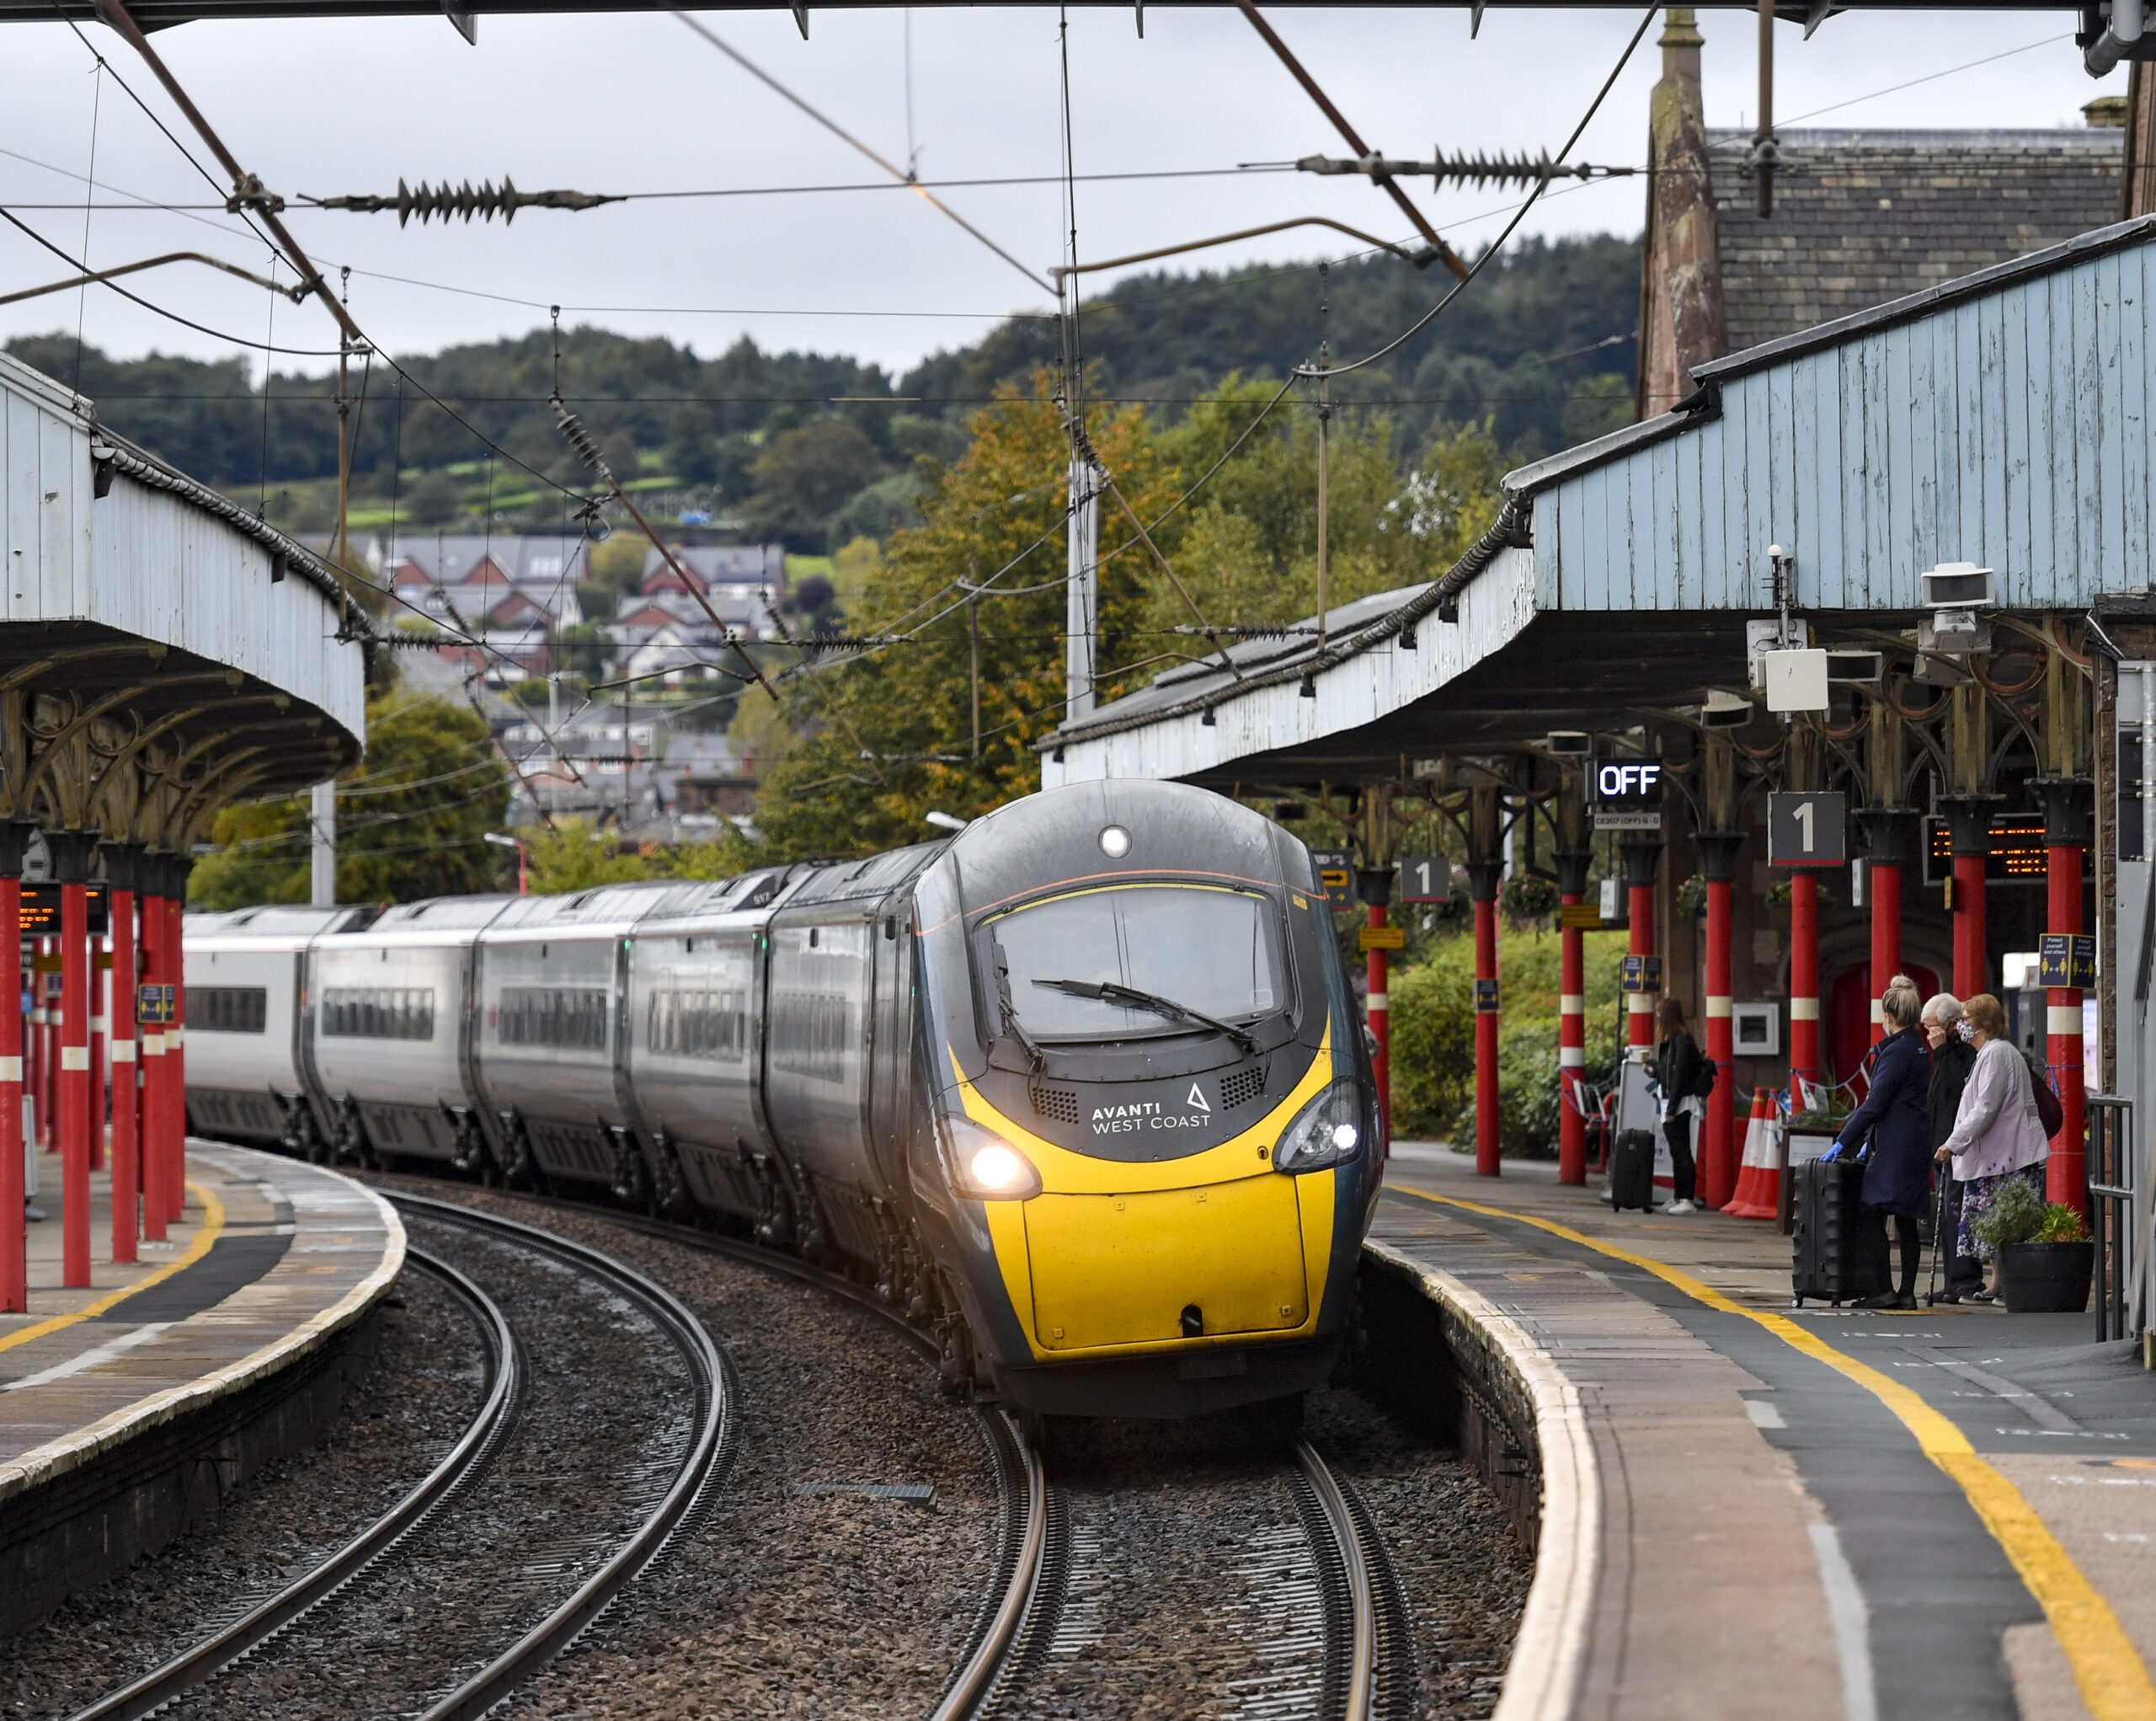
<point x="945" y="821"/>
<point x="1115" y="842"/>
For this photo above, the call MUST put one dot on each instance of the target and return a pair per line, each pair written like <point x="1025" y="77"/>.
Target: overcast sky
<point x="635" y="103"/>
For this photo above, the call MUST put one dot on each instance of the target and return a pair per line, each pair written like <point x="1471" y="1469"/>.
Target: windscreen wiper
<point x="1108" y="992"/>
<point x="1007" y="1011"/>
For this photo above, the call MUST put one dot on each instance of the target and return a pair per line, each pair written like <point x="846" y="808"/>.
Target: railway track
<point x="1346" y="1653"/>
<point x="525" y="1602"/>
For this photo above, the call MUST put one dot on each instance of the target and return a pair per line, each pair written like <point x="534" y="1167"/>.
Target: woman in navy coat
<point x="1896" y="1116"/>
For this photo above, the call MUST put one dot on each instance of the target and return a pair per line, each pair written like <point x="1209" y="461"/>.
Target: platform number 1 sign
<point x="1806" y="829"/>
<point x="1426" y="877"/>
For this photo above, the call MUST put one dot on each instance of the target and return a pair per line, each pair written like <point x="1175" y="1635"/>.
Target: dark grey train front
<point x="1083" y="1087"/>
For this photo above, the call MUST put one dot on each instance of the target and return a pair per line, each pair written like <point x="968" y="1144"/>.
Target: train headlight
<point x="1326" y="1132"/>
<point x="986" y="1167"/>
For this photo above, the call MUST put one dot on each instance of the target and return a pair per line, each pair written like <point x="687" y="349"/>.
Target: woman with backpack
<point x="1685" y="1079"/>
<point x="1895" y="1120"/>
<point x="1999" y="1129"/>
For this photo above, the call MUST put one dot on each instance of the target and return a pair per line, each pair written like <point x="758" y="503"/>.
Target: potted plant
<point x="2045" y="1256"/>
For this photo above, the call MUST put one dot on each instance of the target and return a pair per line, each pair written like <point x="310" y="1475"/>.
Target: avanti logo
<point x="1197" y="1098"/>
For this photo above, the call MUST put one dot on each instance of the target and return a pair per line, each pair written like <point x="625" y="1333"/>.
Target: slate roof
<point x="448" y="558"/>
<point x="1861" y="217"/>
<point x="722" y="564"/>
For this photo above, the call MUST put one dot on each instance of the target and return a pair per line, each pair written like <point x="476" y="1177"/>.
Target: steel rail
<point x="496" y="1416"/>
<point x="699" y="1469"/>
<point x="1348" y="1535"/>
<point x="975" y="1681"/>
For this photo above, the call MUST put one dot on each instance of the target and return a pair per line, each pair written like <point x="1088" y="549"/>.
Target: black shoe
<point x="1888" y="1300"/>
<point x="1942" y="1299"/>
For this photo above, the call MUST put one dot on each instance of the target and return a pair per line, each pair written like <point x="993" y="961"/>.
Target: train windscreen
<point x="1072" y="964"/>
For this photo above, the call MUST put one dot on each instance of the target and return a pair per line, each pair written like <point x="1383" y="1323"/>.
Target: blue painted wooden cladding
<point x="2010" y="429"/>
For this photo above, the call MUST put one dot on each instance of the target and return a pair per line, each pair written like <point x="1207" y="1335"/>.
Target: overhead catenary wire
<point x="1481" y="263"/>
<point x="839" y="131"/>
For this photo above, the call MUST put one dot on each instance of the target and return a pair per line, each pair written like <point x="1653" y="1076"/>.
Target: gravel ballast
<point x="794" y="1593"/>
<point x="424" y="1390"/>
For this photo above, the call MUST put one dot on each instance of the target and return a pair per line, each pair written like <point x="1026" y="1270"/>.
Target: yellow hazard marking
<point x="213" y="1222"/>
<point x="2109" y="1671"/>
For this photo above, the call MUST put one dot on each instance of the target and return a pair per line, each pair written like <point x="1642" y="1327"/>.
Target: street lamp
<point x="523" y="859"/>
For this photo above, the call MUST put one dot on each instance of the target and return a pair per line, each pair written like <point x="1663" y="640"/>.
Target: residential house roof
<point x="718" y="565"/>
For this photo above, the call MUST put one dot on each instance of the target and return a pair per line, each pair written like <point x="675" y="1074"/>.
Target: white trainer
<point x="1680" y="1207"/>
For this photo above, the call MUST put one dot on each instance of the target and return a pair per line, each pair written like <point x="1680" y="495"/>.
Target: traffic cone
<point x="1758" y="1179"/>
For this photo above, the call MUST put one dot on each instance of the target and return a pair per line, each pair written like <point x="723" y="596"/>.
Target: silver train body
<point x="797" y="1054"/>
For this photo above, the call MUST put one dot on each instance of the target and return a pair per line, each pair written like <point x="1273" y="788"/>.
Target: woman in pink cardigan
<point x="1997" y="1133"/>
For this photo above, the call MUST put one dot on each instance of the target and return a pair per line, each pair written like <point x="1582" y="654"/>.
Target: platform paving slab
<point x="216" y="1352"/>
<point x="1918" y="1604"/>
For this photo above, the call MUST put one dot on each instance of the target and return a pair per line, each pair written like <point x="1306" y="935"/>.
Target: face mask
<point x="1962" y="1028"/>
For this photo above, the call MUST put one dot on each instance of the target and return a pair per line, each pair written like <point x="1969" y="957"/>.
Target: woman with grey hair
<point x="1953" y="1058"/>
<point x="1998" y="1134"/>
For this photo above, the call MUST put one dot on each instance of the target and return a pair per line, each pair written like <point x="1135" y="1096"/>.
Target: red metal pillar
<point x="1642" y="858"/>
<point x="2064" y="830"/>
<point x="1484" y="879"/>
<point x="100" y="974"/>
<point x="1374" y="885"/>
<point x="40" y="1047"/>
<point x="176" y="868"/>
<point x="71" y="853"/>
<point x="1883" y="882"/>
<point x="126" y="1164"/>
<point x="149" y="1131"/>
<point x="1968" y="818"/>
<point x="1803" y="984"/>
<point x="14" y="1266"/>
<point x="1719" y="1152"/>
<point x="1571" y="1021"/>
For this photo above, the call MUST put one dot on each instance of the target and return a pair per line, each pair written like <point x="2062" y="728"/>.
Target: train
<point x="1083" y="1088"/>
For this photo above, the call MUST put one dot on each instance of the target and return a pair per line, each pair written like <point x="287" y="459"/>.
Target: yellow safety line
<point x="213" y="1221"/>
<point x="2113" y="1681"/>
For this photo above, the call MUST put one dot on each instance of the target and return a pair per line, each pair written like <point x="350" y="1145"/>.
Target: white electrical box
<point x="1794" y="680"/>
<point x="1755" y="1030"/>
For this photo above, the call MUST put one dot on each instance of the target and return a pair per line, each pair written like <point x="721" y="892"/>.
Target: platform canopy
<point x="2001" y="418"/>
<point x="162" y="651"/>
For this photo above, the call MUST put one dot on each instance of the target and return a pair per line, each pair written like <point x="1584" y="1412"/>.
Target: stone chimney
<point x="2136" y="179"/>
<point x="1681" y="320"/>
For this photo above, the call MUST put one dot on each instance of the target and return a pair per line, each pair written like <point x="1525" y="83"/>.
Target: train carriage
<point x="247" y="1047"/>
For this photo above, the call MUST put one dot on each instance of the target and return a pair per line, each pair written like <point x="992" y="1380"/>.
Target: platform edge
<point x="57" y="1458"/>
<point x="1542" y="1680"/>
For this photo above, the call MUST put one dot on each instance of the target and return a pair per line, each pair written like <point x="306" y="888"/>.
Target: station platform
<point x="128" y="1410"/>
<point x="1802" y="1513"/>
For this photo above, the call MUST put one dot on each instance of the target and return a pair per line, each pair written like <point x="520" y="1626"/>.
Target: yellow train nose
<point x="1128" y="1268"/>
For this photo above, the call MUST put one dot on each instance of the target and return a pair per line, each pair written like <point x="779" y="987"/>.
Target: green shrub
<point x="2017" y="1216"/>
<point x="2062" y="1225"/>
<point x="1433" y="1017"/>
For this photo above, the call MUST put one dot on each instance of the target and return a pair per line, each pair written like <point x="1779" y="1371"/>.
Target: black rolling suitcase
<point x="1631" y="1171"/>
<point x="1836" y="1252"/>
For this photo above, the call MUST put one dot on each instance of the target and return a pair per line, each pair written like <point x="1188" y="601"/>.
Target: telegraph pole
<point x="323" y="817"/>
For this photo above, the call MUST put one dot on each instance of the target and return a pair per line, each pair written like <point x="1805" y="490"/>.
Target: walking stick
<point x="1938" y="1244"/>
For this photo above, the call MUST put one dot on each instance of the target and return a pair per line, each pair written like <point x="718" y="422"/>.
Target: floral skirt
<point x="1979" y="1195"/>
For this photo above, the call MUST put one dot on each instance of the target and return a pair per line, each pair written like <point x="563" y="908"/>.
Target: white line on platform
<point x="1852" y="1623"/>
<point x="90" y="1359"/>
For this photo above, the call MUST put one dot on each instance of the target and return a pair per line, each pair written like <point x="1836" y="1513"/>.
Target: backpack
<point x="2049" y="1112"/>
<point x="1702" y="1084"/>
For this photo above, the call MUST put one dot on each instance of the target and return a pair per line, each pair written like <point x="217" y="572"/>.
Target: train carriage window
<point x="704" y="1022"/>
<point x="227" y="1009"/>
<point x="812" y="1033"/>
<point x="378" y="1012"/>
<point x="572" y="1017"/>
<point x="1212" y="949"/>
